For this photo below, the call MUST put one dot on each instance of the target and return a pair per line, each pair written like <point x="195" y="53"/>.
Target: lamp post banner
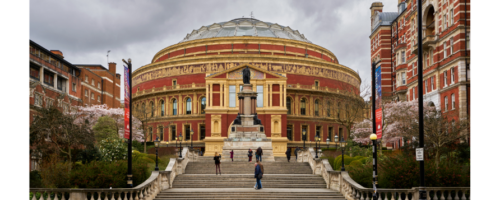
<point x="378" y="101"/>
<point x="126" y="135"/>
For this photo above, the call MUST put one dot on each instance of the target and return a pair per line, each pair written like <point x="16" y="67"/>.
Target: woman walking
<point x="231" y="155"/>
<point x="288" y="153"/>
<point x="217" y="163"/>
<point x="250" y="152"/>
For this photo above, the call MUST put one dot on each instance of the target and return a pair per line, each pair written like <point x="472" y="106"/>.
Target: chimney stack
<point x="376" y="6"/>
<point x="57" y="52"/>
<point x="112" y="68"/>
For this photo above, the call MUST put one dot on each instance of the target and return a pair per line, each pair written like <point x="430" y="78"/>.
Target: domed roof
<point x="245" y="27"/>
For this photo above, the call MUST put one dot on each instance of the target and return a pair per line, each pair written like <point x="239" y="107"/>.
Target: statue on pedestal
<point x="246" y="75"/>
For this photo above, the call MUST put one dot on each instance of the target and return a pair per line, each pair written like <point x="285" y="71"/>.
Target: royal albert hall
<point x="192" y="86"/>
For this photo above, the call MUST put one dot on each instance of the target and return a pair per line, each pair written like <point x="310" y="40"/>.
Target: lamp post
<point x="180" y="145"/>
<point x="192" y="138"/>
<point x="342" y="145"/>
<point x="373" y="137"/>
<point x="327" y="143"/>
<point x="304" y="137"/>
<point x="157" y="144"/>
<point x="317" y="138"/>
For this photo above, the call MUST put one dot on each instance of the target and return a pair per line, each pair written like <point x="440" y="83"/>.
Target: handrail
<point x="342" y="182"/>
<point x="158" y="181"/>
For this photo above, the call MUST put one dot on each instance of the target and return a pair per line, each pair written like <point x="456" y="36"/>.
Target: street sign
<point x="420" y="154"/>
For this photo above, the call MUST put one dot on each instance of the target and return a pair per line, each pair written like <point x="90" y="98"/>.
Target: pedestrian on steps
<point x="258" y="154"/>
<point x="259" y="173"/>
<point x="250" y="154"/>
<point x="296" y="152"/>
<point x="231" y="155"/>
<point x="217" y="163"/>
<point x="288" y="153"/>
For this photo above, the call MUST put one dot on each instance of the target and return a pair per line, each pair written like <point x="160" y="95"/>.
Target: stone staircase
<point x="282" y="180"/>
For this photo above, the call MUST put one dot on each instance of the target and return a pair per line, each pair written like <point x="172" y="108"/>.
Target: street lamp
<point x="192" y="138"/>
<point x="328" y="143"/>
<point x="373" y="137"/>
<point x="304" y="137"/>
<point x="157" y="144"/>
<point x="342" y="145"/>
<point x="180" y="145"/>
<point x="317" y="138"/>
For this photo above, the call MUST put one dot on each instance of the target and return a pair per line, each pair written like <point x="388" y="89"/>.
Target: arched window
<point x="150" y="136"/>
<point x="174" y="107"/>
<point x="152" y="105"/>
<point x="289" y="105"/>
<point x="338" y="110"/>
<point x="316" y="107"/>
<point x="203" y="103"/>
<point x="162" y="104"/>
<point x="188" y="106"/>
<point x="328" y="109"/>
<point x="303" y="106"/>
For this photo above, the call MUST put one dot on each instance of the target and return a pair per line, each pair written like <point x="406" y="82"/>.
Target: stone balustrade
<point x="341" y="181"/>
<point x="158" y="181"/>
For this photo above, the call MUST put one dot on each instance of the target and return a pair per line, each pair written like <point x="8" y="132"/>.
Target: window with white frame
<point x="86" y="78"/>
<point x="92" y="81"/>
<point x="452" y="75"/>
<point x="398" y="79"/>
<point x="445" y="77"/>
<point x="453" y="101"/>
<point x="444" y="50"/>
<point x="98" y="98"/>
<point x="403" y="57"/>
<point x="260" y="96"/>
<point x="431" y="55"/>
<point x="86" y="93"/>
<point x="432" y="83"/>
<point x="445" y="103"/>
<point x="444" y="22"/>
<point x="74" y="87"/>
<point x="403" y="77"/>
<point x="92" y="95"/>
<point x="99" y="85"/>
<point x="397" y="59"/>
<point x="232" y="96"/>
<point x="426" y="88"/>
<point x="451" y="17"/>
<point x="451" y="46"/>
<point x="413" y="93"/>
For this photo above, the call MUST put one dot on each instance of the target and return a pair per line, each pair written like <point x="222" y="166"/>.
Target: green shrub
<point x="35" y="179"/>
<point x="338" y="162"/>
<point x="113" y="149"/>
<point x="362" y="174"/>
<point x="101" y="174"/>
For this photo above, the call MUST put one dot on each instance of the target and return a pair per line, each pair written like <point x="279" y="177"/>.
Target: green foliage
<point x="105" y="128"/>
<point x="113" y="149"/>
<point x="54" y="173"/>
<point x="35" y="179"/>
<point x="338" y="162"/>
<point x="136" y="145"/>
<point x="89" y="154"/>
<point x="101" y="174"/>
<point x="361" y="173"/>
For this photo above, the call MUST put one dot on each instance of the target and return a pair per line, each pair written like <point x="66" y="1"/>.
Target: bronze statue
<point x="246" y="75"/>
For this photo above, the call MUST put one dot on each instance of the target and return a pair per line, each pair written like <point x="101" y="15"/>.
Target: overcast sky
<point x="85" y="30"/>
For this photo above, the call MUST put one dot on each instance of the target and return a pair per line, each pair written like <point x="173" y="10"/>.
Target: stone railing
<point x="159" y="180"/>
<point x="342" y="182"/>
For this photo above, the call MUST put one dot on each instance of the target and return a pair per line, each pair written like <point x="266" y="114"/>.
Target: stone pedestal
<point x="247" y="132"/>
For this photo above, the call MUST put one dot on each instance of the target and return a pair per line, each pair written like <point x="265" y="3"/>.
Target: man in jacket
<point x="296" y="152"/>
<point x="259" y="172"/>
<point x="258" y="154"/>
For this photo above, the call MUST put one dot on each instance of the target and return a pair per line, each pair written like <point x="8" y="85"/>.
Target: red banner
<point x="126" y="115"/>
<point x="378" y="121"/>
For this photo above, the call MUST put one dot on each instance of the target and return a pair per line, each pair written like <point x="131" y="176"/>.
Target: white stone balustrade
<point x="159" y="180"/>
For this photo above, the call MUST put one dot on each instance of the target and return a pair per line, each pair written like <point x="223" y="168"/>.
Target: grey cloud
<point x="85" y="30"/>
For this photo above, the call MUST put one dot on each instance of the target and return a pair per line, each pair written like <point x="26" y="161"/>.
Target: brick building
<point x="446" y="52"/>
<point x="56" y="82"/>
<point x="194" y="85"/>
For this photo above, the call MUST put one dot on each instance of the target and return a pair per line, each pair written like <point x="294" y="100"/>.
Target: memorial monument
<point x="247" y="131"/>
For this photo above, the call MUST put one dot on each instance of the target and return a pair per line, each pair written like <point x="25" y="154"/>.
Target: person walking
<point x="288" y="153"/>
<point x="296" y="152"/>
<point x="258" y="154"/>
<point x="231" y="155"/>
<point x="259" y="173"/>
<point x="217" y="163"/>
<point x="250" y="154"/>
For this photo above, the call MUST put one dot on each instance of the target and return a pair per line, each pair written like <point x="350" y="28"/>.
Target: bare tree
<point x="349" y="105"/>
<point x="145" y="114"/>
